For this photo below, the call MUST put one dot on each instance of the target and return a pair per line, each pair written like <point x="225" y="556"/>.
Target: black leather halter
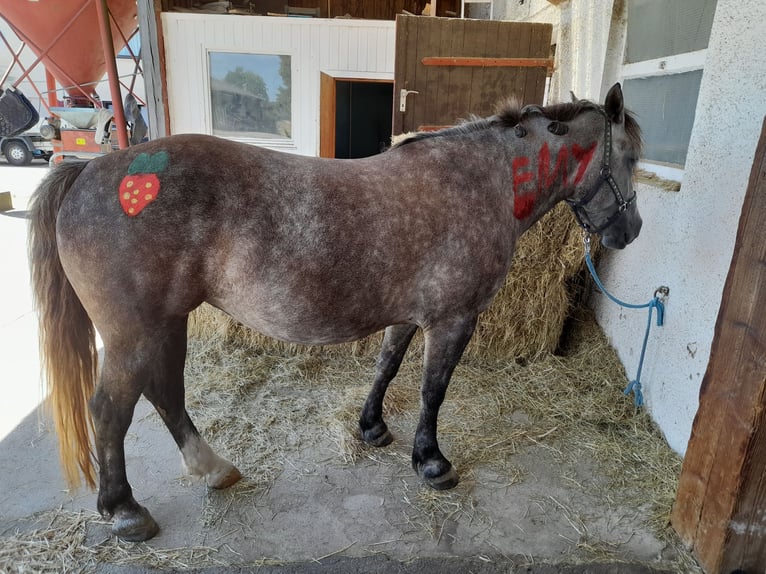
<point x="605" y="176"/>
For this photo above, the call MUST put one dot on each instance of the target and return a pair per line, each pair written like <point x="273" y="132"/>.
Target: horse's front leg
<point x="371" y="425"/>
<point x="444" y="345"/>
<point x="112" y="408"/>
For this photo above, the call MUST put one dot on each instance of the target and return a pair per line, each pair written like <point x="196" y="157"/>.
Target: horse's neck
<point x="542" y="175"/>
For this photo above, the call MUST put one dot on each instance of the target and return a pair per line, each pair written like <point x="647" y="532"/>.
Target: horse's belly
<point x="324" y="322"/>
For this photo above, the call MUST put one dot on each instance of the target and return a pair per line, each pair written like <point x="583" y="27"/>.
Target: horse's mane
<point x="510" y="115"/>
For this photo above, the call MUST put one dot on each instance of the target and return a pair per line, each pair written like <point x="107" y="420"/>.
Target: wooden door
<point x="449" y="68"/>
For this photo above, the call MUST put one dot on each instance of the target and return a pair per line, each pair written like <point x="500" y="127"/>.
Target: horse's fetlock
<point x="377" y="435"/>
<point x="223" y="477"/>
<point x="134" y="524"/>
<point x="439" y="474"/>
<point x="103" y="510"/>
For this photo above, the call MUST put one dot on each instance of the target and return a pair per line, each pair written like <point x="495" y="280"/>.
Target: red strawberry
<point x="141" y="186"/>
<point x="137" y="191"/>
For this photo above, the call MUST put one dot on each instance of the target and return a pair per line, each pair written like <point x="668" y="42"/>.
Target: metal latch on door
<point x="403" y="98"/>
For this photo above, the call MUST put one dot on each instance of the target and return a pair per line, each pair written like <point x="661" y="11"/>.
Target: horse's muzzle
<point x="619" y="236"/>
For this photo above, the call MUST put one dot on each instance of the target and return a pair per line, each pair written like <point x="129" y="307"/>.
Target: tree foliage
<point x="248" y="81"/>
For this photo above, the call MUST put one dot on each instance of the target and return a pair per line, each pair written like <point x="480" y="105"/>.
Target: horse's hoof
<point x="379" y="435"/>
<point x="223" y="478"/>
<point x="445" y="481"/>
<point x="135" y="526"/>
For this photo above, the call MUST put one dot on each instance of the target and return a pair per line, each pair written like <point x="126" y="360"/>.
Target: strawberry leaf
<point x="149" y="163"/>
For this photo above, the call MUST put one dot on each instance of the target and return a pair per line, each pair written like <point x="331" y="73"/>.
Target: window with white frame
<point x="665" y="50"/>
<point x="250" y="96"/>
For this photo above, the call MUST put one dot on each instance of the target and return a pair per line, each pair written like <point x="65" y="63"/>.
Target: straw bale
<point x="526" y="320"/>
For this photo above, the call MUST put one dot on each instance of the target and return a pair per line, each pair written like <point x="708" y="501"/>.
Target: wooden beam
<point x="720" y="509"/>
<point x="488" y="62"/>
<point x="429" y="128"/>
<point x="153" y="63"/>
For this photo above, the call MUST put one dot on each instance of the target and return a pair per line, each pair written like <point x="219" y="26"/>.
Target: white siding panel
<point x="355" y="49"/>
<point x="341" y="48"/>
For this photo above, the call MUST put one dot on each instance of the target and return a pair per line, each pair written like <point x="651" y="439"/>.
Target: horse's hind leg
<point x="445" y="343"/>
<point x="150" y="362"/>
<point x="112" y="406"/>
<point x="166" y="393"/>
<point x="371" y="425"/>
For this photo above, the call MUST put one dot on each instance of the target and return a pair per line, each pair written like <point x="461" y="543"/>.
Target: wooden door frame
<point x="328" y="92"/>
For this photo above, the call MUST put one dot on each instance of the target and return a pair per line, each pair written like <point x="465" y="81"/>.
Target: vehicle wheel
<point x="17" y="153"/>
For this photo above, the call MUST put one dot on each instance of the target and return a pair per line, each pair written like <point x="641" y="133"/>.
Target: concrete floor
<point x="319" y="515"/>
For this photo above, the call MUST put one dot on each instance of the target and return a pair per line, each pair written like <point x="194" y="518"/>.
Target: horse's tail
<point x="68" y="352"/>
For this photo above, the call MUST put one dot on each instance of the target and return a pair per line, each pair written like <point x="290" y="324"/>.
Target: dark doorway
<point x="362" y="117"/>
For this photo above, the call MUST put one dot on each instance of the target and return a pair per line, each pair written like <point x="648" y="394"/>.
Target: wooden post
<point x="153" y="62"/>
<point x="720" y="509"/>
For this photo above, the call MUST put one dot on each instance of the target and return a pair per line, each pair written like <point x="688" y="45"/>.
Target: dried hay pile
<point x="525" y="321"/>
<point x="545" y="285"/>
<point x="59" y="543"/>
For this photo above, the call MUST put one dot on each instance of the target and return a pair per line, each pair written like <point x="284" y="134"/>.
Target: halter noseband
<point x="605" y="175"/>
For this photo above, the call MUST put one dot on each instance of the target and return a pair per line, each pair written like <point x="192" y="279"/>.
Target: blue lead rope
<point x="656" y="303"/>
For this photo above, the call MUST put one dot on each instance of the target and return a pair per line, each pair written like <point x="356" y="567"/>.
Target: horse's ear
<point x="613" y="105"/>
<point x="575" y="99"/>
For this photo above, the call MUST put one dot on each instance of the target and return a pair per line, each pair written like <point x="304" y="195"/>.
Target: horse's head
<point x="604" y="200"/>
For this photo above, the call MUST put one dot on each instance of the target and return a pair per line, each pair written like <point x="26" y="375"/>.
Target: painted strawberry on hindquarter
<point x="141" y="186"/>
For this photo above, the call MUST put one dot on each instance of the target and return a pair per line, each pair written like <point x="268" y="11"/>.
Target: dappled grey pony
<point x="303" y="249"/>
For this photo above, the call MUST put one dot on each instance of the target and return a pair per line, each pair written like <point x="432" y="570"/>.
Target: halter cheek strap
<point x="605" y="176"/>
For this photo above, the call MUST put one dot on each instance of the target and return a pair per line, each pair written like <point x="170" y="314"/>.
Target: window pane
<point x="250" y="95"/>
<point x="664" y="106"/>
<point x="658" y="28"/>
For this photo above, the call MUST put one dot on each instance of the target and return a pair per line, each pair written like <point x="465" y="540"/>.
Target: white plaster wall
<point x="582" y="52"/>
<point x="540" y="11"/>
<point x="580" y="32"/>
<point x="338" y="47"/>
<point x="688" y="237"/>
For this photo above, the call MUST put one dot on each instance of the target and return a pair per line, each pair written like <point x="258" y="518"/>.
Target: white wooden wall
<point x="340" y="48"/>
